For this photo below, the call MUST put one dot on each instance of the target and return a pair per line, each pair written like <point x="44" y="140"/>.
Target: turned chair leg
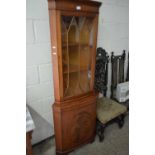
<point x="121" y="120"/>
<point x="100" y="131"/>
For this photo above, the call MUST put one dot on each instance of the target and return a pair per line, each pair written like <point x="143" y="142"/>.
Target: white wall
<point x="113" y="36"/>
<point x="39" y="81"/>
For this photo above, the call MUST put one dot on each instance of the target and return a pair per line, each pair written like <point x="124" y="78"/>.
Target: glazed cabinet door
<point x="78" y="41"/>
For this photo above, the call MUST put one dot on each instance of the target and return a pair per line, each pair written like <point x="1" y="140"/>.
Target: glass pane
<point x="77" y="42"/>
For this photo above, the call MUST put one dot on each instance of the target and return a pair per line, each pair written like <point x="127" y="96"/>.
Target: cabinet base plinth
<point x="69" y="151"/>
<point x="61" y="153"/>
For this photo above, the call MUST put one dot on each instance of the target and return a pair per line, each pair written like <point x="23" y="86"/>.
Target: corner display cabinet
<point x="73" y="26"/>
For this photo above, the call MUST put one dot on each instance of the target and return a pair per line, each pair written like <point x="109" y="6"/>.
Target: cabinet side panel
<point x="56" y="53"/>
<point x="57" y="127"/>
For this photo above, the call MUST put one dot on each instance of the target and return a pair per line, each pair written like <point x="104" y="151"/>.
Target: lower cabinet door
<point x="77" y="123"/>
<point x="78" y="126"/>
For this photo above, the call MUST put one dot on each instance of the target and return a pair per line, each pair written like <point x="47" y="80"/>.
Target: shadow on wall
<point x="42" y="129"/>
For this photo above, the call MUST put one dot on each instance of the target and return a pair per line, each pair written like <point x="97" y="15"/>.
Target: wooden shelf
<point x="73" y="69"/>
<point x="75" y="44"/>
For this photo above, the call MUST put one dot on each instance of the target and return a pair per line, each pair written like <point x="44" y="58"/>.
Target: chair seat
<point x="108" y="109"/>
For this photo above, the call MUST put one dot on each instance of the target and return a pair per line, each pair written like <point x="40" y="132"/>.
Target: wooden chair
<point x="108" y="110"/>
<point x="127" y="76"/>
<point x="117" y="67"/>
<point x="117" y="74"/>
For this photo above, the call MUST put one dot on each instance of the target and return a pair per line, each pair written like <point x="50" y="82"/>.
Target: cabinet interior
<point x="77" y="46"/>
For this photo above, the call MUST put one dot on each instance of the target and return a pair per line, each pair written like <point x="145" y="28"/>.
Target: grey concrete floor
<point x="116" y="142"/>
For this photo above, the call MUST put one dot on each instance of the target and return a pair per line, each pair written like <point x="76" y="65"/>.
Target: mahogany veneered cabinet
<point x="73" y="26"/>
